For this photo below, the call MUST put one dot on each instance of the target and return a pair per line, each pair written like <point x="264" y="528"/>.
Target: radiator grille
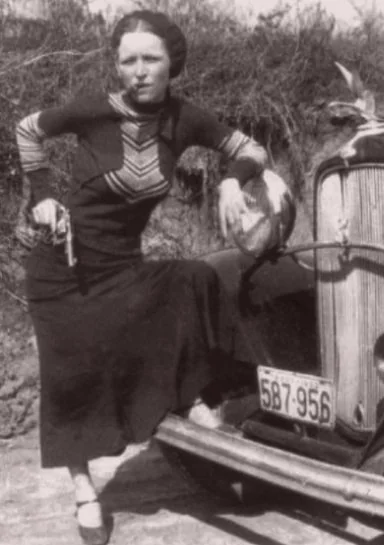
<point x="351" y="289"/>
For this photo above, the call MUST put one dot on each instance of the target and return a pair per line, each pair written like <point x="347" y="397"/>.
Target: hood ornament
<point x="363" y="109"/>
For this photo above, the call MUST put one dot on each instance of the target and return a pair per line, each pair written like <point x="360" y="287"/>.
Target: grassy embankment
<point x="272" y="81"/>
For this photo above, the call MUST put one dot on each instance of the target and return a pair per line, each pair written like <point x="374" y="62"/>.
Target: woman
<point x="121" y="340"/>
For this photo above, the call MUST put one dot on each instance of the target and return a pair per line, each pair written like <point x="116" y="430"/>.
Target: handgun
<point x="64" y="233"/>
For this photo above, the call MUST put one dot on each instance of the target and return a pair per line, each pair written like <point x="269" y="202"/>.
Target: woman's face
<point x="143" y="66"/>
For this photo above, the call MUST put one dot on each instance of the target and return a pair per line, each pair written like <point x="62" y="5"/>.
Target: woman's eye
<point x="151" y="58"/>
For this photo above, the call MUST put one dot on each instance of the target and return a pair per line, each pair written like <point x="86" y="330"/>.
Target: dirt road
<point x="152" y="505"/>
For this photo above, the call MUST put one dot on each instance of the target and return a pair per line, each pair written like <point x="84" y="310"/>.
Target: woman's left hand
<point x="232" y="205"/>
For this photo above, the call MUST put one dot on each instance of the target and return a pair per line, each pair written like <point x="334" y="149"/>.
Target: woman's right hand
<point x="47" y="212"/>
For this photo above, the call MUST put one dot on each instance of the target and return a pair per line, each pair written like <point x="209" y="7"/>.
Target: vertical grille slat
<point x="351" y="288"/>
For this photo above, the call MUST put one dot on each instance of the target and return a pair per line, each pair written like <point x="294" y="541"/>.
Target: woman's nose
<point x="140" y="71"/>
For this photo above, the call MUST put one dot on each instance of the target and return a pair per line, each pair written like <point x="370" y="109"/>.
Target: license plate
<point x="305" y="398"/>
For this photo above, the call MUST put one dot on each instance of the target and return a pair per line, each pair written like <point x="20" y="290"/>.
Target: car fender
<point x="269" y="280"/>
<point x="275" y="309"/>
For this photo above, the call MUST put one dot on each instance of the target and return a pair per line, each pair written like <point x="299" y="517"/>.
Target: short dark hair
<point x="159" y="24"/>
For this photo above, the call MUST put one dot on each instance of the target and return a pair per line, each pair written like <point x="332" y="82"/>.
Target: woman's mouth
<point x="142" y="86"/>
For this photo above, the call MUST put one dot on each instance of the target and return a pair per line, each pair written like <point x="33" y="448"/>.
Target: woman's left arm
<point x="246" y="156"/>
<point x="248" y="159"/>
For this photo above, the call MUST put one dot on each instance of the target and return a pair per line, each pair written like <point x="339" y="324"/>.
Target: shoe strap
<point x="86" y="502"/>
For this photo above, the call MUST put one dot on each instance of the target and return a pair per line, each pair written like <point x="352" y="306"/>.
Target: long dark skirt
<point x="120" y="346"/>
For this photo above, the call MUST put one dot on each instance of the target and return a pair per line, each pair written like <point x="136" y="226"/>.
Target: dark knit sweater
<point x="125" y="159"/>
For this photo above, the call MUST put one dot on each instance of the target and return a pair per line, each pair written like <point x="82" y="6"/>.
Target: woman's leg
<point x="203" y="415"/>
<point x="89" y="512"/>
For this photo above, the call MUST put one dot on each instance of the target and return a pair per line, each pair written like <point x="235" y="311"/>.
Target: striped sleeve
<point x="29" y="137"/>
<point x="234" y="144"/>
<point x="72" y="117"/>
<point x="246" y="157"/>
<point x="33" y="158"/>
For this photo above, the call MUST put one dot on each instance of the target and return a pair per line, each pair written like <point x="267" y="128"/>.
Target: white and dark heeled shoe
<point x="98" y="535"/>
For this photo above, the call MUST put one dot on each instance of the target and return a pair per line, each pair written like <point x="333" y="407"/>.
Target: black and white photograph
<point x="191" y="272"/>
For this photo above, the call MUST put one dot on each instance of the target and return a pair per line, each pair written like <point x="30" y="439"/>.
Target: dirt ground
<point x="152" y="505"/>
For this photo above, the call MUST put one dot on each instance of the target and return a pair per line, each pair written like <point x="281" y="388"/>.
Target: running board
<point x="347" y="488"/>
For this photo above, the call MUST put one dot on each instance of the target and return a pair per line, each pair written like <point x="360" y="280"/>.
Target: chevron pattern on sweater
<point x="134" y="196"/>
<point x="137" y="143"/>
<point x="140" y="177"/>
<point x="141" y="168"/>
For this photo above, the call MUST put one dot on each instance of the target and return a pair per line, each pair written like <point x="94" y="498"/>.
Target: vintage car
<point x="314" y="317"/>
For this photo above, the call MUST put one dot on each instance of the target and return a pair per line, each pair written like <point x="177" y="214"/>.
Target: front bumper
<point x="348" y="488"/>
